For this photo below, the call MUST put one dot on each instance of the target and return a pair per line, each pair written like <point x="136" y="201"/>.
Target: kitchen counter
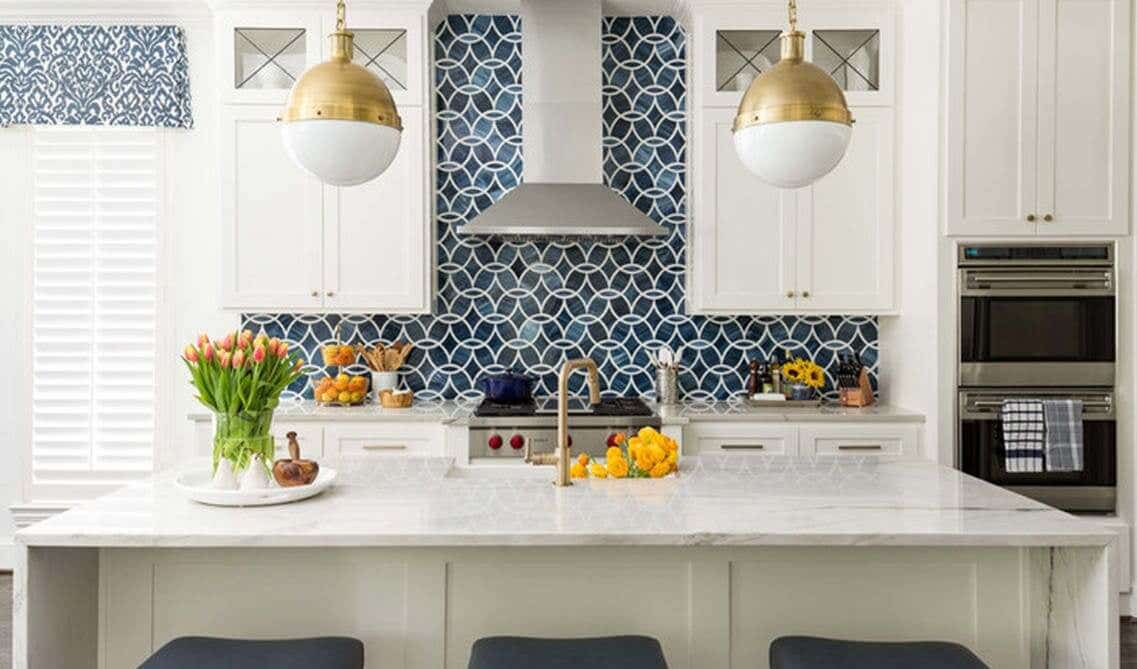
<point x="739" y="410"/>
<point x="417" y="559"/>
<point x="442" y="411"/>
<point x="717" y="499"/>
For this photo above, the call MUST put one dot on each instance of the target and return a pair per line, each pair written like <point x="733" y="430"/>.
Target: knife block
<point x="861" y="396"/>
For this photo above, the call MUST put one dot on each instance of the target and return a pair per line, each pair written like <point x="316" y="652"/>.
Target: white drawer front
<point x="740" y="438"/>
<point x="875" y="439"/>
<point x="387" y="439"/>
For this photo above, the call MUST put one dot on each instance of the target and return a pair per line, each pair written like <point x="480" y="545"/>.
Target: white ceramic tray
<point x="196" y="486"/>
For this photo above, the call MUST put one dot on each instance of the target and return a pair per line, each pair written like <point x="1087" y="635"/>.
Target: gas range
<point x="502" y="430"/>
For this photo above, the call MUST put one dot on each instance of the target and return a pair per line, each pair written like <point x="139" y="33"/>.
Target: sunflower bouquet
<point x="800" y="371"/>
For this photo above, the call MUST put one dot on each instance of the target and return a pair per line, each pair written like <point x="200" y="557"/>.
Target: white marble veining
<point x="740" y="410"/>
<point x="442" y="411"/>
<point x="716" y="500"/>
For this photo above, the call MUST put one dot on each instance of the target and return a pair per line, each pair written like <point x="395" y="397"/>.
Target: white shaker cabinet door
<point x="845" y="224"/>
<point x="377" y="243"/>
<point x="1083" y="145"/>
<point x="992" y="117"/>
<point x="743" y="237"/>
<point x="271" y="216"/>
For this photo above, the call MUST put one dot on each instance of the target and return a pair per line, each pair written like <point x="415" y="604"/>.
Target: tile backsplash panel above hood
<point x="530" y="305"/>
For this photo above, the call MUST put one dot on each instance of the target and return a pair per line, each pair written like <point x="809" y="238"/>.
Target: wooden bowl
<point x="390" y="400"/>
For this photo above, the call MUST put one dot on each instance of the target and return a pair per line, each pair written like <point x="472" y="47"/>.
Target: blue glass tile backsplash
<point x="531" y="305"/>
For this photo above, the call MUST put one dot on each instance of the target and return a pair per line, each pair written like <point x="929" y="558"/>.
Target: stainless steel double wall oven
<point x="1039" y="321"/>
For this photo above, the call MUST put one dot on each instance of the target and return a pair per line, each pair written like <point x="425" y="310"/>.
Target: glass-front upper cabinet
<point x="733" y="47"/>
<point x="390" y="44"/>
<point x="263" y="53"/>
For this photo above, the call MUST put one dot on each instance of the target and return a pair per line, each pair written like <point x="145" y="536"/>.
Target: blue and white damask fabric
<point x="530" y="305"/>
<point x="94" y="75"/>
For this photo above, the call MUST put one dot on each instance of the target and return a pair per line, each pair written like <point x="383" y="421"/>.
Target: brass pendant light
<point x="340" y="123"/>
<point x="793" y="124"/>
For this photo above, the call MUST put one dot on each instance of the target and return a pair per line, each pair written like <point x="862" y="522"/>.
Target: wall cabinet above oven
<point x="1038" y="117"/>
<point x="291" y="243"/>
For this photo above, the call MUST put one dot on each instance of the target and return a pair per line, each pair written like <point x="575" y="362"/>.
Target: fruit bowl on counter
<point x="341" y="390"/>
<point x="646" y="454"/>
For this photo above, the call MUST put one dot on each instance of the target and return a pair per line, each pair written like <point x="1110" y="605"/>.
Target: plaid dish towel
<point x="1064" y="448"/>
<point x="1024" y="435"/>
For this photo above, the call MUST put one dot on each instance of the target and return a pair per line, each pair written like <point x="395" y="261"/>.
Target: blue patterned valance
<point x="96" y="75"/>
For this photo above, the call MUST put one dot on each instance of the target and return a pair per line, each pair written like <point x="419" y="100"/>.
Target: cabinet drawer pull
<point x="789" y="293"/>
<point x="860" y="447"/>
<point x="743" y="447"/>
<point x="385" y="447"/>
<point x="315" y="293"/>
<point x="1030" y="218"/>
<point x="1048" y="217"/>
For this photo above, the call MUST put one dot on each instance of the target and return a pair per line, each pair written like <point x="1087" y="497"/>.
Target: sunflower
<point x="792" y="371"/>
<point x="814" y="376"/>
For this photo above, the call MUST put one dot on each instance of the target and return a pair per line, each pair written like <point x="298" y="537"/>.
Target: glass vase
<point x="239" y="437"/>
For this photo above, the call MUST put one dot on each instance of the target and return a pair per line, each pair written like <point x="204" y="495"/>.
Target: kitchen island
<point x="419" y="558"/>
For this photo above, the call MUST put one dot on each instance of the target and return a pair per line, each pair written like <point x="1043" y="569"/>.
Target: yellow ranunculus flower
<point x="634" y="447"/>
<point x="577" y="471"/>
<point x="673" y="457"/>
<point x="670" y="444"/>
<point x="614" y="453"/>
<point x="618" y="468"/>
<point x="644" y="463"/>
<point x="660" y="470"/>
<point x="582" y="458"/>
<point x="646" y="433"/>
<point x="656" y="453"/>
<point x="619" y="438"/>
<point x="598" y="470"/>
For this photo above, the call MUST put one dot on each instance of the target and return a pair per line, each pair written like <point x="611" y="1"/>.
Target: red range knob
<point x="495" y="441"/>
<point x="516" y="442"/>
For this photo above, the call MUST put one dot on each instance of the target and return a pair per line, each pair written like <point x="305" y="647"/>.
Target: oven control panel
<point x="509" y="442"/>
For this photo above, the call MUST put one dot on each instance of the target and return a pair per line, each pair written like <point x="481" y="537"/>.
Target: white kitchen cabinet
<point x="826" y="248"/>
<point x="385" y="439"/>
<point x="896" y="439"/>
<point x="271" y="213"/>
<point x="740" y="437"/>
<point x="294" y="244"/>
<point x="1038" y="117"/>
<point x="260" y="54"/>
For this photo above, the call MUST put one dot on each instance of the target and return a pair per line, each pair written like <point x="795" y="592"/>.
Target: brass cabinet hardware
<point x="743" y="447"/>
<point x="805" y="293"/>
<point x="860" y="447"/>
<point x="789" y="293"/>
<point x="315" y="293"/>
<point x="1048" y="217"/>
<point x="330" y="293"/>
<point x="1030" y="218"/>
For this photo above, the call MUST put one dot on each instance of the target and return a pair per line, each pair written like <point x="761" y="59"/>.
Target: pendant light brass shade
<point x="341" y="90"/>
<point x="792" y="90"/>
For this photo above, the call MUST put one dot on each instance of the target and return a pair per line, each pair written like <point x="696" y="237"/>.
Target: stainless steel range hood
<point x="562" y="192"/>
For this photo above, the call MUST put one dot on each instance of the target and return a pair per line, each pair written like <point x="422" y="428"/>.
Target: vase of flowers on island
<point x="240" y="379"/>
<point x="805" y="377"/>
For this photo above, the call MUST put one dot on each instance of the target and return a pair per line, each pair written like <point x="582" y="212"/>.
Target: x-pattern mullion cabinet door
<point x="392" y="45"/>
<point x="261" y="54"/>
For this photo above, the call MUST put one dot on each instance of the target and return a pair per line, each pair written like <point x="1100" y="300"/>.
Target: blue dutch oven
<point x="508" y="387"/>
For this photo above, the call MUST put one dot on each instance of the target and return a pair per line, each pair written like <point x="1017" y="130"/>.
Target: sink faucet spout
<point x="563" y="458"/>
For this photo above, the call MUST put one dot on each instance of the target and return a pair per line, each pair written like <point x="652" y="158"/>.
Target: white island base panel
<point x="709" y="606"/>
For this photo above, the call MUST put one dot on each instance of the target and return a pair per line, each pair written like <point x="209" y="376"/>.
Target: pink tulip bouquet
<point x="240" y="379"/>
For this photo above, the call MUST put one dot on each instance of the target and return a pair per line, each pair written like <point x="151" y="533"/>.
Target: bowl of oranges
<point x="341" y="390"/>
<point x="338" y="355"/>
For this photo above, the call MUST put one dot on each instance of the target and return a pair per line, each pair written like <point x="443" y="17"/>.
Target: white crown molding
<point x="30" y="513"/>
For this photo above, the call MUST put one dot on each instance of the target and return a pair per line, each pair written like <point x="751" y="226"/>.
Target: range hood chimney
<point x="562" y="191"/>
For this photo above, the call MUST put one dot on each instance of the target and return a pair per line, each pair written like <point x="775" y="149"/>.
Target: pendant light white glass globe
<point x="793" y="124"/>
<point x="340" y="123"/>
<point x="792" y="154"/>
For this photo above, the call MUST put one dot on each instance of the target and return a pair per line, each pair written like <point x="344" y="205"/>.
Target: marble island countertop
<point x="717" y="500"/>
<point x="459" y="412"/>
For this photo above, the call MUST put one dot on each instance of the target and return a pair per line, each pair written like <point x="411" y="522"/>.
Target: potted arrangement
<point x="240" y="379"/>
<point x="804" y="378"/>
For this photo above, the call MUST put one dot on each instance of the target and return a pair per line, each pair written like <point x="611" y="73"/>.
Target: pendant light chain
<point x="793" y="15"/>
<point x="341" y="22"/>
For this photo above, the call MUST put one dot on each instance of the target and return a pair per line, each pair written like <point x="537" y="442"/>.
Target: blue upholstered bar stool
<point x="807" y="652"/>
<point x="199" y="652"/>
<point x="613" y="652"/>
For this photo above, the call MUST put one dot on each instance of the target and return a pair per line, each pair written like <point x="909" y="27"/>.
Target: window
<point x="97" y="197"/>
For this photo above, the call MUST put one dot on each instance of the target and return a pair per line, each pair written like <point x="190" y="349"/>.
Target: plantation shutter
<point x="96" y="194"/>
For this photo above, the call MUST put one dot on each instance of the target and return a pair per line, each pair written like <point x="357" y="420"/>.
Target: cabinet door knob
<point x="1030" y="218"/>
<point x="1048" y="217"/>
<point x="315" y="293"/>
<point x="330" y="293"/>
<point x="805" y="293"/>
<point x="789" y="293"/>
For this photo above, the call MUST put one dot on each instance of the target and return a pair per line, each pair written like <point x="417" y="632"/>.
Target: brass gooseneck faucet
<point x="563" y="459"/>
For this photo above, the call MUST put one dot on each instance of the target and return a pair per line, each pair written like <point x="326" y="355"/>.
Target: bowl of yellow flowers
<point x="648" y="454"/>
<point x="804" y="378"/>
